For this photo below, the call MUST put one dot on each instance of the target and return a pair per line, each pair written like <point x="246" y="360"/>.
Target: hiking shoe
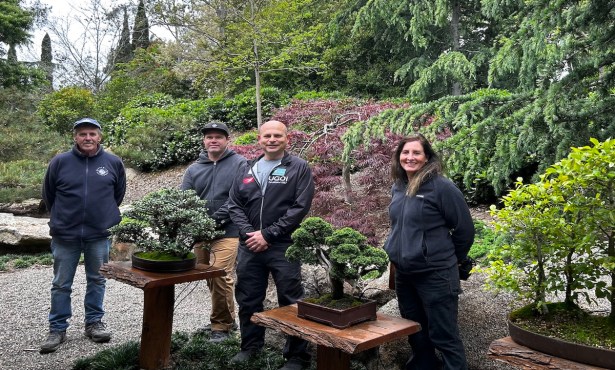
<point x="244" y="356"/>
<point x="218" y="336"/>
<point x="97" y="332"/>
<point x="54" y="339"/>
<point x="207" y="328"/>
<point x="296" y="363"/>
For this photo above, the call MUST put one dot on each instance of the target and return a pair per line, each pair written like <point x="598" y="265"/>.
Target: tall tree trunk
<point x="455" y="38"/>
<point x="347" y="186"/>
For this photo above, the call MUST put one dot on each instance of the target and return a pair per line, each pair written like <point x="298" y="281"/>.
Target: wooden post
<point x="328" y="358"/>
<point x="157" y="327"/>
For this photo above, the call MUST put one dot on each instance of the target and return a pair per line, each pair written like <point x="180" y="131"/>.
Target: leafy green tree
<point x="15" y="23"/>
<point x="562" y="96"/>
<point x="451" y="41"/>
<point x="240" y="43"/>
<point x="562" y="230"/>
<point x="60" y="109"/>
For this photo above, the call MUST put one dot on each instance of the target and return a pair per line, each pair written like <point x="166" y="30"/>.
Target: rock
<point x="24" y="234"/>
<point x="29" y="207"/>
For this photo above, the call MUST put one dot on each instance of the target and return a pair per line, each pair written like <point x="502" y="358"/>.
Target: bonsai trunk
<point x="337" y="288"/>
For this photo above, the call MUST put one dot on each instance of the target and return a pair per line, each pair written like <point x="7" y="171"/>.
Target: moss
<point x="326" y="300"/>
<point x="567" y="322"/>
<point x="161" y="256"/>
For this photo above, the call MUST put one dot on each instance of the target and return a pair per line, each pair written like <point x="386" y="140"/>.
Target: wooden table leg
<point x="328" y="358"/>
<point x="155" y="349"/>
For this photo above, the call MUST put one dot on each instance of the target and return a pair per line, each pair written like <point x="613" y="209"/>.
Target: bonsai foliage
<point x="562" y="230"/>
<point x="169" y="221"/>
<point x="344" y="253"/>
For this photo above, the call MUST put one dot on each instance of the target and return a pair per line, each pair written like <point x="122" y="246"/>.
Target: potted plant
<point x="164" y="225"/>
<point x="562" y="244"/>
<point x="346" y="257"/>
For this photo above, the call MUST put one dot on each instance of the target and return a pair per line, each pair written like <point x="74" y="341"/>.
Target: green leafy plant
<point x="562" y="231"/>
<point x="344" y="253"/>
<point x="247" y="138"/>
<point x="167" y="222"/>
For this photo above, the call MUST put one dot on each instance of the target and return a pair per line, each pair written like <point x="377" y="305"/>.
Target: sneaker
<point x="244" y="356"/>
<point x="54" y="339"/>
<point x="296" y="363"/>
<point x="97" y="332"/>
<point x="207" y="328"/>
<point x="218" y="336"/>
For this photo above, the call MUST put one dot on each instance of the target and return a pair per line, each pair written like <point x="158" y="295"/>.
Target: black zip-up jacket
<point x="212" y="182"/>
<point x="287" y="200"/>
<point x="83" y="194"/>
<point x="431" y="230"/>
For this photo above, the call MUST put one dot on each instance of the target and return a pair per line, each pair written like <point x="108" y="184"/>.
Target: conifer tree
<point x="140" y="31"/>
<point x="124" y="48"/>
<point x="47" y="58"/>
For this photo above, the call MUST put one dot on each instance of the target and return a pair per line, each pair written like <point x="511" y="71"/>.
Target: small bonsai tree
<point x="344" y="253"/>
<point x="167" y="221"/>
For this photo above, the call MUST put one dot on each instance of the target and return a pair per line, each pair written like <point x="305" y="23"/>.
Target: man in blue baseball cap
<point x="83" y="189"/>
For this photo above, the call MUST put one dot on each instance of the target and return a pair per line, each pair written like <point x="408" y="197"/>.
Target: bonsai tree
<point x="167" y="222"/>
<point x="562" y="231"/>
<point x="344" y="254"/>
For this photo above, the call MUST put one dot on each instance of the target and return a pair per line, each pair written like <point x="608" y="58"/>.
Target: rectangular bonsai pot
<point x="338" y="318"/>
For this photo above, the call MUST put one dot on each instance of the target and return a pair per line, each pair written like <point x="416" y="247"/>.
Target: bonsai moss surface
<point x="159" y="256"/>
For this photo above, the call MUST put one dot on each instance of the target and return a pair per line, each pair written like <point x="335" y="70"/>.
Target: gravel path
<point x="24" y="306"/>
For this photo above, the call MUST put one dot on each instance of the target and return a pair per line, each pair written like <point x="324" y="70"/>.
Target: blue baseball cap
<point x="86" y="121"/>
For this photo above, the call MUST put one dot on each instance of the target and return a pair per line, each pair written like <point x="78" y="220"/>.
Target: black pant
<point x="252" y="279"/>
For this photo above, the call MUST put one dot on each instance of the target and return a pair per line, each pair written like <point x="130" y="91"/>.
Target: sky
<point x="62" y="9"/>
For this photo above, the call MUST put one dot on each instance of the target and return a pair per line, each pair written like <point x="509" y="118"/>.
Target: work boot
<point x="97" y="332"/>
<point x="245" y="355"/>
<point x="218" y="336"/>
<point x="296" y="363"/>
<point x="54" y="339"/>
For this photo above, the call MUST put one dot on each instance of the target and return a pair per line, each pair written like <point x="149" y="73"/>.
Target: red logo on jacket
<point x="248" y="180"/>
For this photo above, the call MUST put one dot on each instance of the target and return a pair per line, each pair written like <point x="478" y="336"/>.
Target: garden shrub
<point x="241" y="110"/>
<point x="21" y="180"/>
<point x="60" y="109"/>
<point x="247" y="138"/>
<point x="160" y="142"/>
<point x="562" y="230"/>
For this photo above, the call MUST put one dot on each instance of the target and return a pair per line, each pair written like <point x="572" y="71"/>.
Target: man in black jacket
<point x="268" y="201"/>
<point x="211" y="177"/>
<point x="83" y="189"/>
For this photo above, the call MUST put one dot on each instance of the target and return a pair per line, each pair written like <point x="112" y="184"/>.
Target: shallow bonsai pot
<point x="580" y="353"/>
<point x="162" y="266"/>
<point x="338" y="318"/>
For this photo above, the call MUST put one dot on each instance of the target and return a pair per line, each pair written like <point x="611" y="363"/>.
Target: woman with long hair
<point x="431" y="232"/>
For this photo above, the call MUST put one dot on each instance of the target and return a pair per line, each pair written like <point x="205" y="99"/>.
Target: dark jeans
<point x="252" y="279"/>
<point x="431" y="298"/>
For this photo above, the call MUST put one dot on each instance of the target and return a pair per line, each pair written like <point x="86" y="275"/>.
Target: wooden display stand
<point x="506" y="350"/>
<point x="159" y="298"/>
<point x="334" y="346"/>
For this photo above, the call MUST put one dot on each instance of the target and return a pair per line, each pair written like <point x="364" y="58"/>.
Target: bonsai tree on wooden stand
<point x="165" y="225"/>
<point x="344" y="254"/>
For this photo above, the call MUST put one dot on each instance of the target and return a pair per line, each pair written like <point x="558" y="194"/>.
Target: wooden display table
<point x="334" y="346"/>
<point x="159" y="298"/>
<point x="506" y="350"/>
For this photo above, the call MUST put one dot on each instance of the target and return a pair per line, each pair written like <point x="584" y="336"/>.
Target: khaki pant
<point x="223" y="255"/>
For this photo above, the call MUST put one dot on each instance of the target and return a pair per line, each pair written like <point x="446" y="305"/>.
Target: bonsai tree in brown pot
<point x="346" y="257"/>
<point x="164" y="225"/>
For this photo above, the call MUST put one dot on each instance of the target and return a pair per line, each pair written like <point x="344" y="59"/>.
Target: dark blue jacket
<point x="212" y="182"/>
<point x="431" y="230"/>
<point x="287" y="200"/>
<point x="83" y="194"/>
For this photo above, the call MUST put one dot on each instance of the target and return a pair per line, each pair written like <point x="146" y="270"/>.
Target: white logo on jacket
<point x="101" y="171"/>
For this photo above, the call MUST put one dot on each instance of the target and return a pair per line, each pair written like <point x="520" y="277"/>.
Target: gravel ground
<point x="25" y="304"/>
